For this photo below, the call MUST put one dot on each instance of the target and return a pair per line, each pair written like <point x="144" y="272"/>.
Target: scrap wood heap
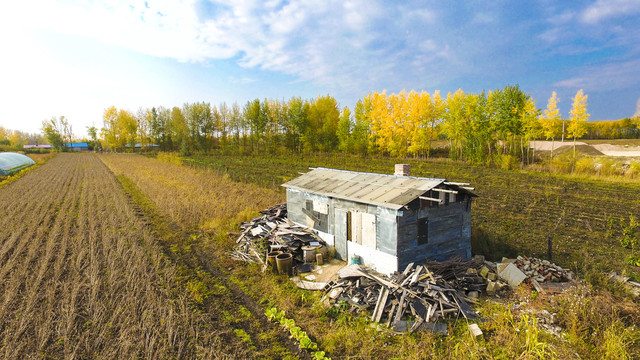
<point x="272" y="230"/>
<point x="417" y="293"/>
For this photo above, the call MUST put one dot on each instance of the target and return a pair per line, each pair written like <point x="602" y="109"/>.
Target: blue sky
<point x="75" y="58"/>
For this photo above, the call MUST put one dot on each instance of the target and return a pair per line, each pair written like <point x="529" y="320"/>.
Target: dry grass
<point x="81" y="276"/>
<point x="191" y="197"/>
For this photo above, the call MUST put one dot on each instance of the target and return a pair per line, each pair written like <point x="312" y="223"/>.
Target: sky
<point x="76" y="58"/>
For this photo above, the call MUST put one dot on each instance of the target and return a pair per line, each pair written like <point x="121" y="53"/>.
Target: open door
<point x="341" y="228"/>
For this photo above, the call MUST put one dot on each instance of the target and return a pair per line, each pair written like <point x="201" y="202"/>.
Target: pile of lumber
<point x="272" y="230"/>
<point x="416" y="294"/>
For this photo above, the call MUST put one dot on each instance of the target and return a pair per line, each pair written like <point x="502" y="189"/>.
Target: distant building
<point x="388" y="221"/>
<point x="43" y="146"/>
<point x="141" y="145"/>
<point x="81" y="146"/>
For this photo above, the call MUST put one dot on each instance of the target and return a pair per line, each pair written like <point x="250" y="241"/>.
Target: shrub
<point x="586" y="165"/>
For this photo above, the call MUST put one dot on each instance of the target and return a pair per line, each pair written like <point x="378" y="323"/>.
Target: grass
<point x="515" y="214"/>
<point x="208" y="305"/>
<point x="507" y="221"/>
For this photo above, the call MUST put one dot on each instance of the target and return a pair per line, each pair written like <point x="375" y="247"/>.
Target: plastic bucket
<point x="271" y="259"/>
<point x="284" y="262"/>
<point x="355" y="259"/>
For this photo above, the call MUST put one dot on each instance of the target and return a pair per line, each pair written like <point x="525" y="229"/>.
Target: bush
<point x="586" y="165"/>
<point x="633" y="171"/>
<point x="506" y="161"/>
<point x="607" y="166"/>
<point x="562" y="163"/>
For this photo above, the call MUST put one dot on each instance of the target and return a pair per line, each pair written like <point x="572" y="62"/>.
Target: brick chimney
<point x="403" y="170"/>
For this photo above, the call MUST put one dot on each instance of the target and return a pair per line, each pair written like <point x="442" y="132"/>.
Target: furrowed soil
<point x="87" y="271"/>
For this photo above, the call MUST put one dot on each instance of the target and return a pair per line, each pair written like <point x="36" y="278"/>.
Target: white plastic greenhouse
<point x="12" y="162"/>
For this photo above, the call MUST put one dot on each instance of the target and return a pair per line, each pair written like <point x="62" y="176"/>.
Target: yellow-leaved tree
<point x="578" y="118"/>
<point x="551" y="121"/>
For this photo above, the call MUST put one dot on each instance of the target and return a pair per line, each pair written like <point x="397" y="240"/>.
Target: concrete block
<point x="512" y="275"/>
<point x="475" y="330"/>
<point x="492" y="287"/>
<point x="492" y="276"/>
<point x="484" y="271"/>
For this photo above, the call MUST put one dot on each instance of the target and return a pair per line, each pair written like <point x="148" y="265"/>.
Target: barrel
<point x="271" y="259"/>
<point x="309" y="253"/>
<point x="284" y="262"/>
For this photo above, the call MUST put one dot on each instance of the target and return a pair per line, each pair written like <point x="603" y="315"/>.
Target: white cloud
<point x="332" y="43"/>
<point x="603" y="9"/>
<point x="612" y="76"/>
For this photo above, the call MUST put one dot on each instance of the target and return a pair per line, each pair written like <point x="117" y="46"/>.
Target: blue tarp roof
<point x="12" y="162"/>
<point x="73" y="145"/>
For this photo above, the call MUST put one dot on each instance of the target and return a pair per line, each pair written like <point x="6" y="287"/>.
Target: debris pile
<point x="542" y="270"/>
<point x="416" y="293"/>
<point x="274" y="232"/>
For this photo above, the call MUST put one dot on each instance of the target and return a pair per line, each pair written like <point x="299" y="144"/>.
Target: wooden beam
<point x="456" y="183"/>
<point x="431" y="199"/>
<point x="445" y="191"/>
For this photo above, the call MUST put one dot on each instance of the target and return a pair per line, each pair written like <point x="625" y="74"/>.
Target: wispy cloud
<point x="332" y="43"/>
<point x="606" y="9"/>
<point x="611" y="76"/>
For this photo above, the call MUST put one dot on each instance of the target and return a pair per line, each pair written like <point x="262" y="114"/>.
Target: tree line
<point x="476" y="127"/>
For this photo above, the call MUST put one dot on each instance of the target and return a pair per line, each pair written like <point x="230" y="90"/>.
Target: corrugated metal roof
<point x="75" y="145"/>
<point x="389" y="191"/>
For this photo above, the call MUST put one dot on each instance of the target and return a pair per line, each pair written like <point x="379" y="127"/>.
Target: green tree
<point x="323" y="118"/>
<point x="361" y="133"/>
<point x="345" y="125"/>
<point x="296" y="124"/>
<point x="52" y="130"/>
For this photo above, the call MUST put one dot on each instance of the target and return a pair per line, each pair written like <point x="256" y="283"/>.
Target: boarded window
<point x="423" y="231"/>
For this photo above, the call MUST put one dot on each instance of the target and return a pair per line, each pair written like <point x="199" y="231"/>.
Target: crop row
<point x="81" y="276"/>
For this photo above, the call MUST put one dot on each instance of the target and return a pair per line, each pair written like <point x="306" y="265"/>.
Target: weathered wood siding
<point x="396" y="232"/>
<point x="449" y="233"/>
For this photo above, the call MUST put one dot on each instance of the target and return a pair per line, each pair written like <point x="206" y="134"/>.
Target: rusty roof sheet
<point x="389" y="191"/>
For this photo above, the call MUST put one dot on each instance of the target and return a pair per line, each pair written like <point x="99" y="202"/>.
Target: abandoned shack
<point x="387" y="221"/>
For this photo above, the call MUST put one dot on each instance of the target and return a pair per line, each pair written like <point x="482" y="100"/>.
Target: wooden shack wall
<point x="383" y="257"/>
<point x="449" y="233"/>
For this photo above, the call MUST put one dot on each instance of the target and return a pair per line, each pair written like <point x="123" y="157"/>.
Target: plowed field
<point x="82" y="275"/>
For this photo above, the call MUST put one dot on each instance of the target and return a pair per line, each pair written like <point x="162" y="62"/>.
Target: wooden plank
<point x="417" y="273"/>
<point x="400" y="311"/>
<point x="380" y="305"/>
<point x="393" y="309"/>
